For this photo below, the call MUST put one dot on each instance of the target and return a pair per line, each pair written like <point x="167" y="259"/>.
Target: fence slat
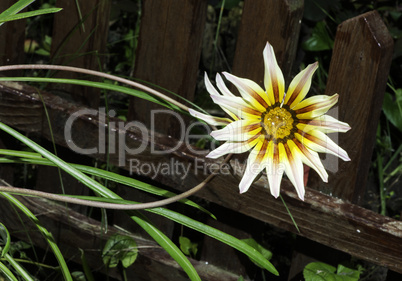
<point x="262" y="21"/>
<point x="12" y="38"/>
<point x="168" y="54"/>
<point x="80" y="45"/>
<point x="358" y="72"/>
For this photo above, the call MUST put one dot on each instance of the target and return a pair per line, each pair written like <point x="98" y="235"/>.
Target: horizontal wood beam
<point x="322" y="218"/>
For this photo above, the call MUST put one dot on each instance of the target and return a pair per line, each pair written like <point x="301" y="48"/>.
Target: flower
<point x="282" y="130"/>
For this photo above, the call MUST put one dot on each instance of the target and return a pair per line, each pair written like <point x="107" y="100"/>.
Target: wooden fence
<point x="168" y="55"/>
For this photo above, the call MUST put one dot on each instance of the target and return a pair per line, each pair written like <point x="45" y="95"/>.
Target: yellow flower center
<point x="279" y="123"/>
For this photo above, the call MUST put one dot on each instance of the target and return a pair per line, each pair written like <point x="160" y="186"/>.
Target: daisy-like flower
<point x="281" y="130"/>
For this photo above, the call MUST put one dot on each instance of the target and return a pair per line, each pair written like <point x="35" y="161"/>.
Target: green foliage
<point x="12" y="13"/>
<point x="119" y="248"/>
<point x="320" y="39"/>
<point x="263" y="251"/>
<point x="392" y="107"/>
<point x="318" y="271"/>
<point x="189" y="248"/>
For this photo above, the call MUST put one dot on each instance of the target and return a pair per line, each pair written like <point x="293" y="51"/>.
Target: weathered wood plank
<point x="327" y="220"/>
<point x="168" y="54"/>
<point x="80" y="44"/>
<point x="12" y="38"/>
<point x="358" y="72"/>
<point x="73" y="231"/>
<point x="262" y="21"/>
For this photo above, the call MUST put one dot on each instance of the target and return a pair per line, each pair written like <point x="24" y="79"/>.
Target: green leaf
<point x="393" y="108"/>
<point x="7" y="272"/>
<point x="263" y="251"/>
<point x="47" y="235"/>
<point x="120" y="248"/>
<point x="318" y="271"/>
<point x="348" y="274"/>
<point x="320" y="40"/>
<point x="29" y="14"/>
<point x="6" y="240"/>
<point x="188" y="248"/>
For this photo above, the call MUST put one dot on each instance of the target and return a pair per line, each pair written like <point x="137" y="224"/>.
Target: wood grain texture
<point x="322" y="218"/>
<point x="80" y="44"/>
<point x="358" y="73"/>
<point x="262" y="21"/>
<point x="168" y="54"/>
<point x="73" y="231"/>
<point x="12" y="38"/>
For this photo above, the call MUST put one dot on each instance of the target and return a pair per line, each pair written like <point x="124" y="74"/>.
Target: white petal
<point x="212" y="120"/>
<point x="310" y="158"/>
<point x="273" y="76"/>
<point x="250" y="91"/>
<point x="254" y="166"/>
<point x="222" y="86"/>
<point x="237" y="106"/>
<point x="275" y="170"/>
<point x="324" y="123"/>
<point x="231" y="147"/>
<point x="293" y="168"/>
<point x="320" y="142"/>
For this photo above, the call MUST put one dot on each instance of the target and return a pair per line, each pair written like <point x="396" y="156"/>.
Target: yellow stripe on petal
<point x="273" y="77"/>
<point x="300" y="86"/>
<point x="315" y="106"/>
<point x="250" y="91"/>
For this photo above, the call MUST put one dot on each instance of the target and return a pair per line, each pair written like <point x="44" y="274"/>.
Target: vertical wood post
<point x="168" y="54"/>
<point x="80" y="44"/>
<point x="358" y="73"/>
<point x="12" y="36"/>
<point x="277" y="22"/>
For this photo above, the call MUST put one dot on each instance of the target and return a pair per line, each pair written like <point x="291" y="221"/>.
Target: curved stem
<point x="114" y="206"/>
<point x="95" y="73"/>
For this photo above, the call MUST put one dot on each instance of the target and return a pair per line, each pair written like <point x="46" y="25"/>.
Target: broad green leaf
<point x="320" y="40"/>
<point x="348" y="274"/>
<point x="188" y="248"/>
<point x="318" y="271"/>
<point x="393" y="108"/>
<point x="119" y="248"/>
